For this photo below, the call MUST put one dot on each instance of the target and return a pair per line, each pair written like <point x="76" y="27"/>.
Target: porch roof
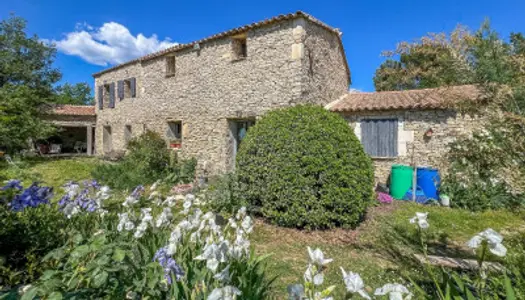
<point x="73" y="110"/>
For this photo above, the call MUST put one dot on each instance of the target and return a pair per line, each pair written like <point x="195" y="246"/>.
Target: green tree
<point x="77" y="94"/>
<point x="26" y="84"/>
<point x="432" y="61"/>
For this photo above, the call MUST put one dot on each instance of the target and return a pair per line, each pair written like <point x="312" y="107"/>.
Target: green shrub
<point x="147" y="160"/>
<point x="304" y="167"/>
<point x="224" y="194"/>
<point x="481" y="176"/>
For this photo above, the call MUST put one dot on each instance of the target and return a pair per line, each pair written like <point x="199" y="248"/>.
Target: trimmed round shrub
<point x="304" y="167"/>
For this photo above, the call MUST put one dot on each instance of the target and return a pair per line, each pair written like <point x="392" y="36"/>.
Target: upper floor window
<point x="239" y="47"/>
<point x="107" y="96"/>
<point x="170" y="65"/>
<point x="379" y="137"/>
<point x="127" y="88"/>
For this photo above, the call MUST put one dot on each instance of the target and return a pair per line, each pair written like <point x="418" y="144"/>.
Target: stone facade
<point x="288" y="62"/>
<point x="414" y="147"/>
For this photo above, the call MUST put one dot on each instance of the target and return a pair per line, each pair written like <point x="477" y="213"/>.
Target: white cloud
<point x="353" y="90"/>
<point x="110" y="44"/>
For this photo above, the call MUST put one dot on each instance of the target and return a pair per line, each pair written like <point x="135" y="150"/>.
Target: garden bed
<point x="381" y="249"/>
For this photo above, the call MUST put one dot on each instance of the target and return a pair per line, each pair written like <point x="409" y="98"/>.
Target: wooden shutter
<point x="120" y="89"/>
<point x="133" y="87"/>
<point x="379" y="137"/>
<point x="112" y="95"/>
<point x="100" y="96"/>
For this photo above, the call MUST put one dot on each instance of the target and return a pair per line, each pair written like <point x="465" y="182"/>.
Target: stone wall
<point x="413" y="146"/>
<point x="325" y="72"/>
<point x="210" y="89"/>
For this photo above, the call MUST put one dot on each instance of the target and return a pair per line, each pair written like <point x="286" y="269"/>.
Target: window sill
<point x="384" y="157"/>
<point x="169" y="75"/>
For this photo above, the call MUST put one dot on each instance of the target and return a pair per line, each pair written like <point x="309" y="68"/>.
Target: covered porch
<point x="75" y="135"/>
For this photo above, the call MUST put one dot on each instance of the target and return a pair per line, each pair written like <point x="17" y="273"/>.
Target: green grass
<point x="380" y="249"/>
<point x="51" y="172"/>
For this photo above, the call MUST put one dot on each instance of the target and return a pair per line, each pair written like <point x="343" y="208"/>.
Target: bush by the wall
<point x="147" y="160"/>
<point x="304" y="167"/>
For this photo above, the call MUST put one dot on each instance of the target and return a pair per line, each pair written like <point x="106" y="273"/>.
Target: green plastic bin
<point x="400" y="180"/>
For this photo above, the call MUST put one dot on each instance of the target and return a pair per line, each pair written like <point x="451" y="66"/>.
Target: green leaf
<point x="508" y="289"/>
<point x="100" y="279"/>
<point x="119" y="255"/>
<point x="55" y="296"/>
<point x="80" y="251"/>
<point x="30" y="294"/>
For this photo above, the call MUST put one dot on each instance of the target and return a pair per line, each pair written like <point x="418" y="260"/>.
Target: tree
<point x="77" y="94"/>
<point x="432" y="61"/>
<point x="26" y="84"/>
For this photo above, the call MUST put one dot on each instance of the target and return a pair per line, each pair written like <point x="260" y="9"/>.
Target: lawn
<point x="380" y="249"/>
<point x="53" y="172"/>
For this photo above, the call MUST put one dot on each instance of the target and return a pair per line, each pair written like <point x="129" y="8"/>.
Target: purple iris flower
<point x="169" y="265"/>
<point x="33" y="196"/>
<point x="12" y="184"/>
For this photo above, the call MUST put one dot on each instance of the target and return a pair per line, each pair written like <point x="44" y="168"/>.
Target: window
<point x="170" y="65"/>
<point x="241" y="128"/>
<point x="239" y="47"/>
<point x="174" y="132"/>
<point x="127" y="88"/>
<point x="128" y="134"/>
<point x="109" y="95"/>
<point x="107" y="139"/>
<point x="379" y="137"/>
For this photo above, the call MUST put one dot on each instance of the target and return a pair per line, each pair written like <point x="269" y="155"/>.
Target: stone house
<point x="203" y="96"/>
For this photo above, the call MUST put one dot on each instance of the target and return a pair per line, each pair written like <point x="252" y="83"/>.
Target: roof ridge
<point x="235" y="30"/>
<point x="421" y="90"/>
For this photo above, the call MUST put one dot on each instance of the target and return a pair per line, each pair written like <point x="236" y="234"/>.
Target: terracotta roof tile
<point x="73" y="110"/>
<point x="231" y="32"/>
<point x="408" y="99"/>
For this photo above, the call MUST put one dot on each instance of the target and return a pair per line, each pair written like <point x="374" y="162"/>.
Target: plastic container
<point x="445" y="200"/>
<point x="428" y="180"/>
<point x="400" y="180"/>
<point x="420" y="196"/>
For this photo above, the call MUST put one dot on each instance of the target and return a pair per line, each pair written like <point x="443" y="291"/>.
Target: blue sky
<point x="106" y="31"/>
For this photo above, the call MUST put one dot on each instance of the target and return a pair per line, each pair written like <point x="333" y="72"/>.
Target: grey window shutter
<point x="120" y="89"/>
<point x="387" y="138"/>
<point x="100" y="97"/>
<point x="368" y="136"/>
<point x="379" y="137"/>
<point x="112" y="95"/>
<point x="133" y="87"/>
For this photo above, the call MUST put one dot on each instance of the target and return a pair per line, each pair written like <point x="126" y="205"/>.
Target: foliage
<point x="433" y="61"/>
<point x="26" y="84"/>
<point x="147" y="160"/>
<point x="77" y="94"/>
<point x="224" y="194"/>
<point x="137" y="251"/>
<point x="304" y="167"/>
<point x="487" y="170"/>
<point x="29" y="227"/>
